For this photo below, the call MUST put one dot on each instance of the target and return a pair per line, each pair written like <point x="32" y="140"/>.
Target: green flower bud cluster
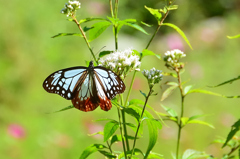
<point x="153" y="76"/>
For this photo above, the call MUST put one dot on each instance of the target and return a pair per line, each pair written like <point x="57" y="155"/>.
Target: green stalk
<point x="150" y="41"/>
<point x="111" y="8"/>
<point x="158" y="27"/>
<point x="181" y="115"/>
<point x="124" y="125"/>
<point x="121" y="130"/>
<point x="85" y="38"/>
<point x="140" y="120"/>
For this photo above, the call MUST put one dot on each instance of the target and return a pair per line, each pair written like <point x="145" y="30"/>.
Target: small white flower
<point x="124" y="60"/>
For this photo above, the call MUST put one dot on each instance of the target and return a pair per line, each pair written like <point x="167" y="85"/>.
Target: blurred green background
<point x="28" y="55"/>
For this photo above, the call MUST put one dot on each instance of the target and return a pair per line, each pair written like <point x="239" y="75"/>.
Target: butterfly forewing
<point x="111" y="83"/>
<point x="64" y="82"/>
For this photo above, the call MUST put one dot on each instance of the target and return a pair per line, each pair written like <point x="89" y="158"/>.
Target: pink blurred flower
<point x="16" y="131"/>
<point x="174" y="41"/>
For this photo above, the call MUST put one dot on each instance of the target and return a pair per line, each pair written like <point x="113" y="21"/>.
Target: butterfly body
<point x="87" y="87"/>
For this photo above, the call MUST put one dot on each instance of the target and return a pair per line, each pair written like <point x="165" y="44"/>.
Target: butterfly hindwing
<point x="64" y="82"/>
<point x="86" y="98"/>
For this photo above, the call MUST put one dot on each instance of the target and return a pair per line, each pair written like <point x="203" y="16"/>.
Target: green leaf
<point x="172" y="7"/>
<point x="193" y="154"/>
<point x="170" y="111"/>
<point x="155" y="13"/>
<point x="66" y="108"/>
<point x="133" y="23"/>
<point x="91" y="19"/>
<point x="210" y="93"/>
<point x="66" y="34"/>
<point x="198" y="116"/>
<point x="169" y="74"/>
<point x="98" y="29"/>
<point x="148" y="25"/>
<point x="144" y="94"/>
<point x="133" y="112"/>
<point x="97" y="133"/>
<point x="179" y="31"/>
<point x="233" y="37"/>
<point x="187" y="89"/>
<point x="227" y="82"/>
<point x="147" y="52"/>
<point x="155" y="155"/>
<point x="109" y="129"/>
<point x="107" y="154"/>
<point x="168" y="92"/>
<point x="103" y="53"/>
<point x="91" y="149"/>
<point x="184" y="120"/>
<point x="115" y="138"/>
<point x="153" y="135"/>
<point x="200" y="122"/>
<point x="235" y="128"/>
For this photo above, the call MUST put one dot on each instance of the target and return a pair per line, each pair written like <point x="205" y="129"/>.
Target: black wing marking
<point x="64" y="82"/>
<point x="110" y="82"/>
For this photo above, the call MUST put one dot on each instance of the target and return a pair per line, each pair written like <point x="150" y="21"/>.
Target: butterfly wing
<point x="65" y="81"/>
<point x="108" y="85"/>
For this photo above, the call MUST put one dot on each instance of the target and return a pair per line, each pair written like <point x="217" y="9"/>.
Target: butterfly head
<point x="91" y="65"/>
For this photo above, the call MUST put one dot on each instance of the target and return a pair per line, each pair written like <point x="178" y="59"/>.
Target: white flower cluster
<point x="71" y="7"/>
<point x="121" y="62"/>
<point x="153" y="76"/>
<point x="172" y="58"/>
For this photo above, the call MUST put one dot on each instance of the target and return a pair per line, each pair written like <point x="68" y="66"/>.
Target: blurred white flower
<point x="124" y="62"/>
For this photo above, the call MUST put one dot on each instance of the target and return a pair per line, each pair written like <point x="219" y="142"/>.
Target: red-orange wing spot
<point x="105" y="104"/>
<point x="84" y="105"/>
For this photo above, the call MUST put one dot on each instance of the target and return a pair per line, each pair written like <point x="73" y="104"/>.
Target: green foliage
<point x="233" y="37"/>
<point x="180" y="32"/>
<point x="97" y="29"/>
<point x="67" y="34"/>
<point x="168" y="91"/>
<point x="227" y="82"/>
<point x="193" y="154"/>
<point x="235" y="128"/>
<point x="155" y="12"/>
<point x="91" y="149"/>
<point x="109" y="129"/>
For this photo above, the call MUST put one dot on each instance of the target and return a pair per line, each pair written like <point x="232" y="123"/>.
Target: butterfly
<point x="87" y="87"/>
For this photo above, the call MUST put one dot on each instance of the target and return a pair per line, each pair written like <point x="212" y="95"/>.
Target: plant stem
<point x="85" y="38"/>
<point x="140" y="120"/>
<point x="124" y="124"/>
<point x="121" y="130"/>
<point x="158" y="27"/>
<point x="111" y="8"/>
<point x="181" y="115"/>
<point x="134" y="74"/>
<point x="232" y="150"/>
<point x="109" y="147"/>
